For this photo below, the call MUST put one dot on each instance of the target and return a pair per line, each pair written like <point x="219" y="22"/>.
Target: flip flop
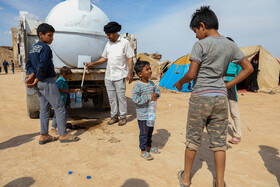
<point x="155" y="150"/>
<point x="69" y="138"/>
<point x="49" y="139"/>
<point x="181" y="180"/>
<point x="234" y="140"/>
<point x="147" y="156"/>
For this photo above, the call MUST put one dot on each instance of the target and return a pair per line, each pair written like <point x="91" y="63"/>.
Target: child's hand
<point x="29" y="79"/>
<point x="154" y="96"/>
<point x="228" y="85"/>
<point x="178" y="85"/>
<point x="31" y="85"/>
<point x="76" y="90"/>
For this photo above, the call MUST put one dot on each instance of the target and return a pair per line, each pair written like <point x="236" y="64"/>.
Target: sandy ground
<point x="110" y="154"/>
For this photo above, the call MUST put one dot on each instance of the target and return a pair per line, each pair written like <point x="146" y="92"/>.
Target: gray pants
<point x="116" y="94"/>
<point x="54" y="123"/>
<point x="49" y="94"/>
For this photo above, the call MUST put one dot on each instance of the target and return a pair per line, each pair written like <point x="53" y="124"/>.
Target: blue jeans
<point x="145" y="135"/>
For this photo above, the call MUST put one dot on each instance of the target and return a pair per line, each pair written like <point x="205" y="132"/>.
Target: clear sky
<point x="163" y="25"/>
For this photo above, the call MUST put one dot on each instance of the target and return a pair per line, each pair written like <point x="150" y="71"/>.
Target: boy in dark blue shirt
<point x="40" y="75"/>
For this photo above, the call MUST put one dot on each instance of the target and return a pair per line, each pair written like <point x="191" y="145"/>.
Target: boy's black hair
<point x="65" y="70"/>
<point x="206" y="16"/>
<point x="44" y="28"/>
<point x="139" y="65"/>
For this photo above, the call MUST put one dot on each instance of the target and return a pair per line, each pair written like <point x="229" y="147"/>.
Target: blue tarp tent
<point x="176" y="71"/>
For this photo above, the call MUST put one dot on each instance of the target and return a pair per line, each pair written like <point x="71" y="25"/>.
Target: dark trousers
<point x="145" y="135"/>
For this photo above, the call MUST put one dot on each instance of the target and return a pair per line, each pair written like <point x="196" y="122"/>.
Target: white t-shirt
<point x="117" y="54"/>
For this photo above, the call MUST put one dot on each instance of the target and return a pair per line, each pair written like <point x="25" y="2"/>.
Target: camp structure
<point x="175" y="72"/>
<point x="269" y="69"/>
<point x="158" y="67"/>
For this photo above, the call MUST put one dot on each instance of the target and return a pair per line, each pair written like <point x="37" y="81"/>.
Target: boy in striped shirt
<point x="144" y="91"/>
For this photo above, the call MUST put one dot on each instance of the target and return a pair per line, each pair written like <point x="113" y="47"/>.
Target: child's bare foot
<point x="54" y="131"/>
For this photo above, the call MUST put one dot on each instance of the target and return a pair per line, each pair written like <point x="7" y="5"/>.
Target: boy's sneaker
<point x="113" y="120"/>
<point x="122" y="122"/>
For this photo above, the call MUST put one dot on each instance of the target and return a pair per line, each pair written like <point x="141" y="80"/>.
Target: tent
<point x="269" y="68"/>
<point x="176" y="71"/>
<point x="158" y="67"/>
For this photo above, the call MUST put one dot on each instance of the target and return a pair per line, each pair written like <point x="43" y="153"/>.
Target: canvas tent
<point x="175" y="72"/>
<point x="158" y="67"/>
<point x="269" y="68"/>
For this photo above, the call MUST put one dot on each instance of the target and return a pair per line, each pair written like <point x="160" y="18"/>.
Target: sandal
<point x="234" y="140"/>
<point x="48" y="139"/>
<point x="181" y="180"/>
<point x="69" y="138"/>
<point x="155" y="150"/>
<point x="147" y="156"/>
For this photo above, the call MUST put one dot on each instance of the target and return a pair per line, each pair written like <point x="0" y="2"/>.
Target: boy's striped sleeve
<point x="137" y="97"/>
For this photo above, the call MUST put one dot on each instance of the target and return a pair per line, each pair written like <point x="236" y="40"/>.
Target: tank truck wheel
<point x="101" y="102"/>
<point x="98" y="102"/>
<point x="34" y="115"/>
<point x="33" y="104"/>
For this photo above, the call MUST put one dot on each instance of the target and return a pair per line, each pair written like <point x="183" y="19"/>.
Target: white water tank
<point x="78" y="28"/>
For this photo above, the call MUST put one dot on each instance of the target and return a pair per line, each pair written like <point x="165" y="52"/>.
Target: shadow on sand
<point x="131" y="109"/>
<point x="204" y="154"/>
<point x="21" y="182"/>
<point x="160" y="138"/>
<point x="86" y="118"/>
<point x="18" y="140"/>
<point x="271" y="160"/>
<point x="135" y="183"/>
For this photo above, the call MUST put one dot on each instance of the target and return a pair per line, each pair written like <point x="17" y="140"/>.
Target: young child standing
<point x="13" y="66"/>
<point x="62" y="85"/>
<point x="144" y="91"/>
<point x="232" y="71"/>
<point x="209" y="57"/>
<point x="40" y="75"/>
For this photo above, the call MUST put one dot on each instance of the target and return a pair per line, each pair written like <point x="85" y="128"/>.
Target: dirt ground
<point x="110" y="154"/>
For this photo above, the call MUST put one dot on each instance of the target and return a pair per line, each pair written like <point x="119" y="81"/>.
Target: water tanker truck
<point x="78" y="38"/>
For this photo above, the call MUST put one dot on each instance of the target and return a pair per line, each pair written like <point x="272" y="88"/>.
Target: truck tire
<point x="101" y="101"/>
<point x="33" y="104"/>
